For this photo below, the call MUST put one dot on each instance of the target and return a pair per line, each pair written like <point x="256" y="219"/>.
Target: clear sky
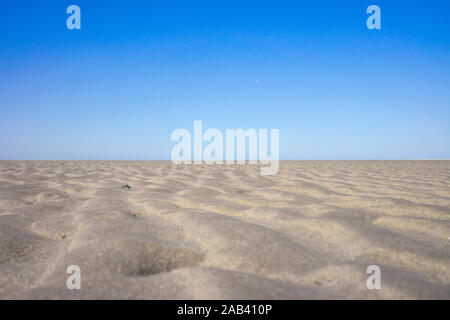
<point x="137" y="70"/>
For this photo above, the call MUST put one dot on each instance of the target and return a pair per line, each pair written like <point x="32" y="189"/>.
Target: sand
<point x="224" y="232"/>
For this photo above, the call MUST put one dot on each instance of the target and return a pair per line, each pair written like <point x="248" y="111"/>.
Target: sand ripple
<point x="211" y="232"/>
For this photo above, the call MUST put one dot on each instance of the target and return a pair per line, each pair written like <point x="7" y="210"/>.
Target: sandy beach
<point x="155" y="230"/>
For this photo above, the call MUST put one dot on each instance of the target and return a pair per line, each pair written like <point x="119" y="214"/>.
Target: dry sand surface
<point x="224" y="232"/>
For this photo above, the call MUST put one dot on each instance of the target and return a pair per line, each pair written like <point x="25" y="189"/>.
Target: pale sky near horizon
<point x="137" y="70"/>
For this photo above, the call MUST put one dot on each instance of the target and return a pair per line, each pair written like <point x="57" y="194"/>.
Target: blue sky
<point x="137" y="70"/>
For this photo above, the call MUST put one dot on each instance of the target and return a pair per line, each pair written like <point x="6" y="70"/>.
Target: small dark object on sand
<point x="63" y="236"/>
<point x="126" y="186"/>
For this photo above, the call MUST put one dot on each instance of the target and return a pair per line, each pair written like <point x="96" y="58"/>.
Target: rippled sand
<point x="225" y="232"/>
